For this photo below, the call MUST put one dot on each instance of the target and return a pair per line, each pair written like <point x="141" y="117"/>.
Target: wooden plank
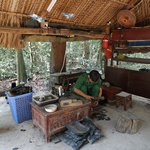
<point x="131" y="34"/>
<point x="39" y="38"/>
<point x="138" y="83"/>
<point x="51" y="31"/>
<point x="134" y="82"/>
<point x="135" y="60"/>
<point x="14" y="14"/>
<point x="119" y="2"/>
<point x="117" y="77"/>
<point x="132" y="3"/>
<point x="44" y="11"/>
<point x="132" y="50"/>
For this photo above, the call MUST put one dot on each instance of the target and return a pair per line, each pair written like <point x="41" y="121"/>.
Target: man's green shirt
<point x="83" y="80"/>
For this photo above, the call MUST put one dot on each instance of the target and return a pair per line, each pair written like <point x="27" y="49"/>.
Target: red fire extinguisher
<point x="105" y="42"/>
<point x="108" y="51"/>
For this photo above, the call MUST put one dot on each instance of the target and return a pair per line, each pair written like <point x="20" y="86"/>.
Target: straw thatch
<point x="89" y="20"/>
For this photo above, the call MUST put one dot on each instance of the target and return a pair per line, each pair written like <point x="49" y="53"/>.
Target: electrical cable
<point x="63" y="62"/>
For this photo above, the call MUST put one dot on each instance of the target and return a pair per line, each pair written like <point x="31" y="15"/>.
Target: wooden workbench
<point x="52" y="123"/>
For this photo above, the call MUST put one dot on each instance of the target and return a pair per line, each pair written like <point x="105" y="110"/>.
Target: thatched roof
<point x="69" y="19"/>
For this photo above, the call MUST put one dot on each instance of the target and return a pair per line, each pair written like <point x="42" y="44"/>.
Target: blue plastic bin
<point x="20" y="106"/>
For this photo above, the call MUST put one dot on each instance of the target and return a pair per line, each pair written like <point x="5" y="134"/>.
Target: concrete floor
<point x="12" y="137"/>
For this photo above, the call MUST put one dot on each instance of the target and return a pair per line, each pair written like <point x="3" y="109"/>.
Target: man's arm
<point x="79" y="92"/>
<point x="100" y="92"/>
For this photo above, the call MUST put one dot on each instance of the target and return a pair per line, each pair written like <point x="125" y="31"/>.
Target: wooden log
<point x="52" y="31"/>
<point x="36" y="38"/>
<point x="127" y="123"/>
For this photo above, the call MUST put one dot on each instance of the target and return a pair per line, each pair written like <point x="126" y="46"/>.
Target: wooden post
<point x="57" y="58"/>
<point x="21" y="71"/>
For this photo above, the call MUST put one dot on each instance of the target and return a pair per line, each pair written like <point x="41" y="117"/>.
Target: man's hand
<point x="88" y="97"/>
<point x="100" y="93"/>
<point x="79" y="92"/>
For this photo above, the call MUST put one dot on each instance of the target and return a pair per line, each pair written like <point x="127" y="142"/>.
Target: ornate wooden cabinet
<point x="52" y="123"/>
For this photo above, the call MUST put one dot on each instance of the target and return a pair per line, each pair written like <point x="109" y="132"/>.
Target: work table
<point x="52" y="123"/>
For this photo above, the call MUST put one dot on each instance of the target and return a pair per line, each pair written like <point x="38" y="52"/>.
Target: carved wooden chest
<point x="52" y="123"/>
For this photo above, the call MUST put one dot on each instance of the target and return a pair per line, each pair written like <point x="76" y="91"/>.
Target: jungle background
<point x="79" y="55"/>
<point x="85" y="55"/>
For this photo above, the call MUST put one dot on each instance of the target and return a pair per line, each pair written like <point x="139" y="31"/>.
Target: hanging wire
<point x="63" y="62"/>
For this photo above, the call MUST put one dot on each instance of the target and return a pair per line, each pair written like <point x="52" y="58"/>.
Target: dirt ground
<point x="24" y="136"/>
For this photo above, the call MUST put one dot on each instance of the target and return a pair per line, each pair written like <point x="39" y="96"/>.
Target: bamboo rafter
<point x="14" y="14"/>
<point x="90" y="16"/>
<point x="119" y="2"/>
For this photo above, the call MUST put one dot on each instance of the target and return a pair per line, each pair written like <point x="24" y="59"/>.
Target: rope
<point x="63" y="62"/>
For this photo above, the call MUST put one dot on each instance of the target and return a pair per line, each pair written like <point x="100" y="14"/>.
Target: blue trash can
<point x="20" y="106"/>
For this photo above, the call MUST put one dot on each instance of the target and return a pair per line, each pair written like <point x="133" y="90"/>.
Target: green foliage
<point x="40" y="63"/>
<point x="75" y="55"/>
<point x="7" y="63"/>
<point x="37" y="58"/>
<point x="79" y="55"/>
<point x="40" y="53"/>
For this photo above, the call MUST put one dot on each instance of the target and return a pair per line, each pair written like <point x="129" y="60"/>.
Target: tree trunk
<point x="57" y="58"/>
<point x="101" y="59"/>
<point x="31" y="56"/>
<point x="86" y="49"/>
<point x="127" y="123"/>
<point x="21" y="71"/>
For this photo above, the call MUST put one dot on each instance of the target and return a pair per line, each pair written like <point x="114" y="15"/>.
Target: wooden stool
<point x="123" y="98"/>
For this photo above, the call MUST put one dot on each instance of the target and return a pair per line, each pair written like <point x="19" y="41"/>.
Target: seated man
<point x="89" y="85"/>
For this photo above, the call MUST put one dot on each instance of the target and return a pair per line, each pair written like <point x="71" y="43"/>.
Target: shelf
<point x="135" y="60"/>
<point x="130" y="50"/>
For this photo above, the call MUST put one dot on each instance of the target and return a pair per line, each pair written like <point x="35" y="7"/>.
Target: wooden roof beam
<point x="14" y="14"/>
<point x="119" y="2"/>
<point x="132" y="3"/>
<point x="38" y="38"/>
<point x="51" y="31"/>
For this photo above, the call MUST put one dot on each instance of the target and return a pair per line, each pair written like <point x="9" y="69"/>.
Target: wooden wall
<point x="135" y="82"/>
